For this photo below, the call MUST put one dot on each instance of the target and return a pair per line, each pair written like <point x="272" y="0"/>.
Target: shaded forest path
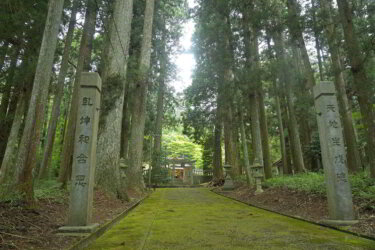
<point x="195" y="218"/>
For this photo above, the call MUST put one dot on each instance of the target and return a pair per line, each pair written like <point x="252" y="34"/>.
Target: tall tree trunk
<point x="217" y="160"/>
<point x="292" y="123"/>
<point x="252" y="64"/>
<point x="125" y="129"/>
<point x="31" y="134"/>
<point x="83" y="63"/>
<point x="244" y="147"/>
<point x="134" y="171"/>
<point x="6" y="96"/>
<point x="296" y="30"/>
<point x="255" y="129"/>
<point x="281" y="132"/>
<point x="12" y="141"/>
<point x="160" y="108"/>
<point x="353" y="156"/>
<point x="8" y="102"/>
<point x="265" y="139"/>
<point x="317" y="41"/>
<point x="59" y="93"/>
<point x="361" y="80"/>
<point x="114" y="79"/>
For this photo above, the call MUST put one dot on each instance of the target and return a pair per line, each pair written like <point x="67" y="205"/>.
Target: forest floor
<point x="24" y="228"/>
<point x="311" y="207"/>
<point x="196" y="218"/>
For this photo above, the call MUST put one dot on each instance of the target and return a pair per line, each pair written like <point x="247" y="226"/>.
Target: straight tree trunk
<point x="292" y="123"/>
<point x="12" y="142"/>
<point x="31" y="134"/>
<point x="255" y="129"/>
<point x="125" y="129"/>
<point x="83" y="64"/>
<point x="317" y="41"/>
<point x="134" y="171"/>
<point x="353" y="156"/>
<point x="59" y="93"/>
<point x="361" y="80"/>
<point x="265" y="138"/>
<point x="160" y="103"/>
<point x="244" y="148"/>
<point x="114" y="81"/>
<point x="8" y="103"/>
<point x="296" y="30"/>
<point x="218" y="175"/>
<point x="282" y="135"/>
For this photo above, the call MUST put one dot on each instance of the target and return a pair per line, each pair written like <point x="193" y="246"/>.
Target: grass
<point x="363" y="187"/>
<point x="199" y="219"/>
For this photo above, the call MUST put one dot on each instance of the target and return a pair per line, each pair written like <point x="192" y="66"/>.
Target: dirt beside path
<point x="36" y="228"/>
<point x="300" y="204"/>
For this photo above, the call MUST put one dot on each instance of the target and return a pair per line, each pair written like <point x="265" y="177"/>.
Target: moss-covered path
<point x="199" y="219"/>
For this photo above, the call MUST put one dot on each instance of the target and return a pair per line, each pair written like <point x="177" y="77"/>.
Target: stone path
<point x="199" y="219"/>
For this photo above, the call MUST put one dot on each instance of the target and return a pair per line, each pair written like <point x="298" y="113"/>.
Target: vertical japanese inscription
<point x="333" y="153"/>
<point x="84" y="158"/>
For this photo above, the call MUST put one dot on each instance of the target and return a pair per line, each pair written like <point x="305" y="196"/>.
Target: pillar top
<point x="91" y="80"/>
<point x="324" y="88"/>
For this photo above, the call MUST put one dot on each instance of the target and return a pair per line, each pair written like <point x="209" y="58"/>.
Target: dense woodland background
<point x="250" y="102"/>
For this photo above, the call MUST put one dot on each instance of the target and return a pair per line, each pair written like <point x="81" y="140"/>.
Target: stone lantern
<point x="228" y="185"/>
<point x="257" y="173"/>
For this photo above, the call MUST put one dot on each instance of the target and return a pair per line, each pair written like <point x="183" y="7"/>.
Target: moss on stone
<point x="199" y="219"/>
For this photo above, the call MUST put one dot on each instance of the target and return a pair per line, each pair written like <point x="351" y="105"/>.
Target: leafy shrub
<point x="363" y="187"/>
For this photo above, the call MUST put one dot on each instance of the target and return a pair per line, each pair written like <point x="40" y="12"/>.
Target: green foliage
<point x="308" y="182"/>
<point x="175" y="144"/>
<point x="45" y="189"/>
<point x="49" y="189"/>
<point x="363" y="187"/>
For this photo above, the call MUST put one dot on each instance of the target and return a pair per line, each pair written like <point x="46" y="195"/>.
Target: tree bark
<point x="217" y="159"/>
<point x="134" y="171"/>
<point x="83" y="63"/>
<point x="125" y="129"/>
<point x="353" y="156"/>
<point x="297" y="36"/>
<point x="265" y="138"/>
<point x="292" y="123"/>
<point x="244" y="147"/>
<point x="317" y="42"/>
<point x="31" y="134"/>
<point x="8" y="102"/>
<point x="12" y="141"/>
<point x="282" y="135"/>
<point x="114" y="81"/>
<point x="59" y="94"/>
<point x="361" y="80"/>
<point x="156" y="158"/>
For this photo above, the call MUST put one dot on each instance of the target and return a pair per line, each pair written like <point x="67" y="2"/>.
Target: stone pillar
<point x="84" y="157"/>
<point x="339" y="195"/>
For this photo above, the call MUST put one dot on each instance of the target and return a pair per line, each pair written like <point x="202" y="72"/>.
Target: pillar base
<point x="78" y="229"/>
<point x="339" y="222"/>
<point x="258" y="191"/>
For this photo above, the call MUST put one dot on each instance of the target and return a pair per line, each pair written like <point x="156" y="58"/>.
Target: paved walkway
<point x="199" y="219"/>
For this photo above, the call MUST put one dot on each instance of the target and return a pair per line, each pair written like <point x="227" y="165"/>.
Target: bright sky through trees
<point x="185" y="61"/>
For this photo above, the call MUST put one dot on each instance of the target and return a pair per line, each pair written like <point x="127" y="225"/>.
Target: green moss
<point x="112" y="89"/>
<point x="199" y="219"/>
